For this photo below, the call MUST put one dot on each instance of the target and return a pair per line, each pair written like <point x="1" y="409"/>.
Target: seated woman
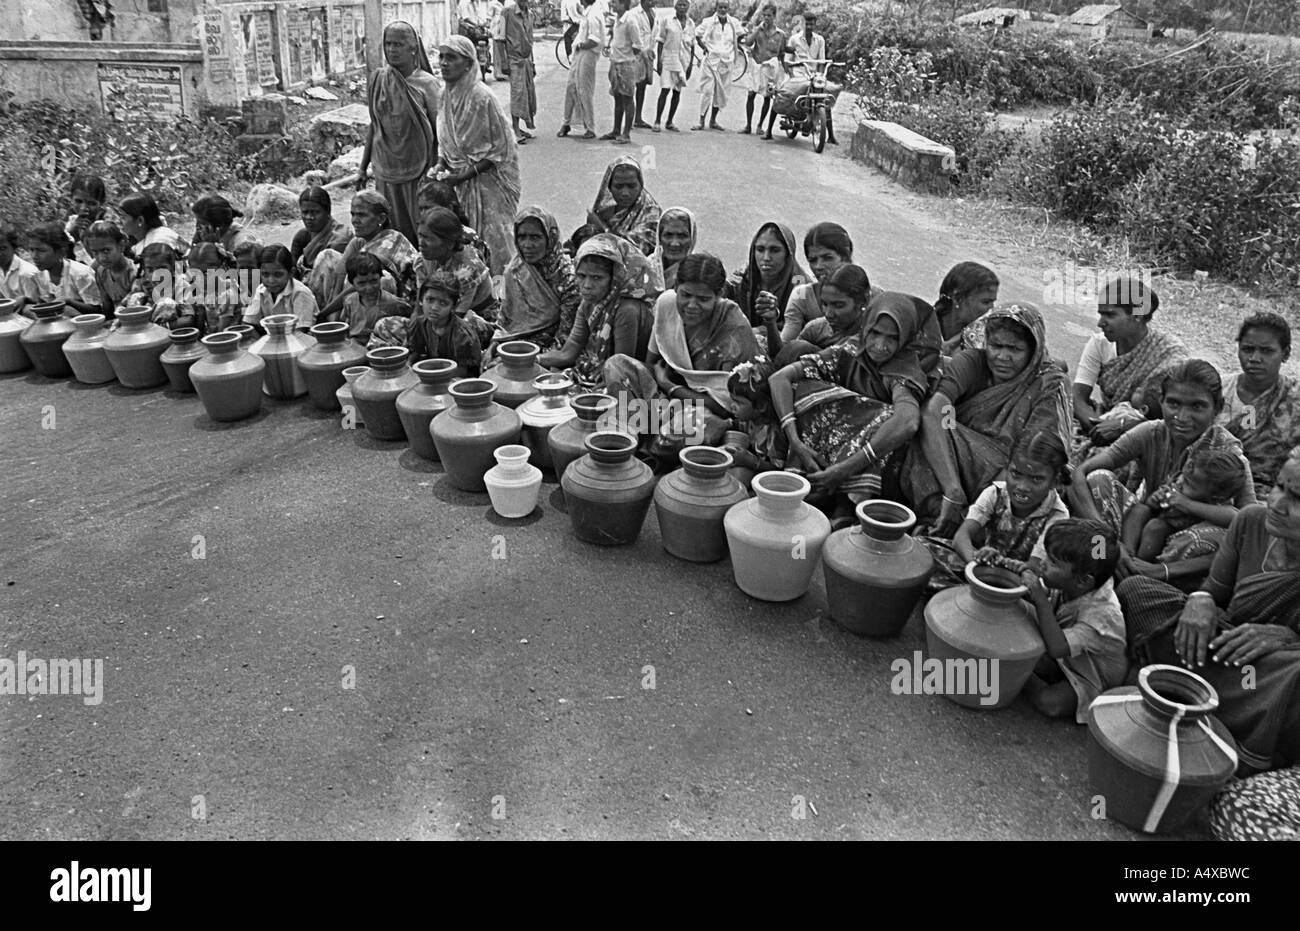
<point x="614" y="316"/>
<point x="320" y="231"/>
<point x="846" y="410"/>
<point x="142" y="221"/>
<point x="1263" y="807"/>
<point x="1192" y="396"/>
<point x="966" y="294"/>
<point x="826" y="246"/>
<point x="624" y="207"/>
<point x="375" y="235"/>
<point x="763" y="289"/>
<point x="1244" y="617"/>
<point x="985" y="400"/>
<point x="442" y="194"/>
<point x="541" y="293"/>
<point x="1118" y="362"/>
<point x="676" y="240"/>
<point x="844" y="298"/>
<point x="1261" y="406"/>
<point x="698" y="338"/>
<point x="214" y="221"/>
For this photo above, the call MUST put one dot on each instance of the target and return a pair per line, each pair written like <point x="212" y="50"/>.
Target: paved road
<point x="480" y="682"/>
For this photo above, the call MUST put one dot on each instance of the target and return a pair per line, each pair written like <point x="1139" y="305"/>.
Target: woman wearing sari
<point x="214" y="221"/>
<point x="763" y="289"/>
<point x="1191" y="398"/>
<point x="676" y="237"/>
<point x="402" y="141"/>
<point x="698" y="338"/>
<point x="541" y="292"/>
<point x="624" y="207"/>
<point x="479" y="156"/>
<point x="320" y="231"/>
<point x="846" y="410"/>
<point x="375" y="235"/>
<point x="614" y="317"/>
<point x="1261" y="406"/>
<point x="845" y="295"/>
<point x="826" y="247"/>
<point x="1244" y="617"/>
<point x="984" y="401"/>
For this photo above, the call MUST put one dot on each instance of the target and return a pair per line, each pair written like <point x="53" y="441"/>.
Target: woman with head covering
<point x="375" y="235"/>
<point x="320" y="231"/>
<point x="443" y="251"/>
<point x="478" y="156"/>
<point x="984" y="401"/>
<point x="763" y="289"/>
<point x="845" y="410"/>
<point x="624" y="207"/>
<point x="698" y="337"/>
<point x="214" y="218"/>
<point x="402" y="142"/>
<point x="675" y="240"/>
<point x="613" y="319"/>
<point x="541" y="292"/>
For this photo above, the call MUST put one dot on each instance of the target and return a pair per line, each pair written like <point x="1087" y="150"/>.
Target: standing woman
<point x="478" y="155"/>
<point x="764" y="288"/>
<point x="403" y="141"/>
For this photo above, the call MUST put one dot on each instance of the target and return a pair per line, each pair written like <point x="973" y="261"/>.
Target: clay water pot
<point x="567" y="441"/>
<point x="543" y="413"/>
<point x="425" y="400"/>
<point x="775" y="538"/>
<point x="987" y="619"/>
<point x="43" y="340"/>
<point x="375" y="392"/>
<point x="85" y="350"/>
<point x="347" y="403"/>
<point x="135" y="349"/>
<point x="607" y="491"/>
<point x="247" y="333"/>
<point x="280" y="349"/>
<point x="12" y="324"/>
<point x="1156" y="753"/>
<point x="513" y="483"/>
<point x="875" y="572"/>
<point x="515" y="373"/>
<point x="322" y="364"/>
<point x="693" y="502"/>
<point x="469" y="432"/>
<point x="228" y="379"/>
<point x="184" y="351"/>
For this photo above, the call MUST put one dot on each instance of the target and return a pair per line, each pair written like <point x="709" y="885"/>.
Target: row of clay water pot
<point x="513" y="483"/>
<point x="135" y="349"/>
<point x="514" y="374"/>
<point x="468" y="433"/>
<point x="425" y="400"/>
<point x="875" y="571"/>
<point x="229" y="379"/>
<point x="607" y="491"/>
<point x="280" y="349"/>
<point x="322" y="363"/>
<point x="693" y="502"/>
<point x="375" y="392"/>
<point x="567" y="441"/>
<point x="12" y="325"/>
<point x="542" y="413"/>
<point x="84" y="350"/>
<point x="180" y="356"/>
<point x="43" y="340"/>
<point x="347" y="403"/>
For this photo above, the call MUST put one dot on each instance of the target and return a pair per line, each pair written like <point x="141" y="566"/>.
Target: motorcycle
<point x="482" y="40"/>
<point x="805" y="105"/>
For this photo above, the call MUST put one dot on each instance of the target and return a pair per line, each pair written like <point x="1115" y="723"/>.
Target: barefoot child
<point x="17" y="275"/>
<point x="369" y="302"/>
<point x="1212" y="479"/>
<point x="1080" y="619"/>
<point x="115" y="274"/>
<point x="278" y="291"/>
<point x="59" y="277"/>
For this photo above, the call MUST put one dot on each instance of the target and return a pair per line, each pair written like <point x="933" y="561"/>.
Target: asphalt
<point x="479" y="686"/>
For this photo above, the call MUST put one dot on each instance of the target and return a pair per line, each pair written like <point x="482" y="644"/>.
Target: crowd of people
<point x="1151" y="504"/>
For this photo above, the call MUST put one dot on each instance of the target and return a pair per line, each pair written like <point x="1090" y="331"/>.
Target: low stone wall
<point x="907" y="157"/>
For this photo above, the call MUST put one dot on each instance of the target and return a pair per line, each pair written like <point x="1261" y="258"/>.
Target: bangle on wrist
<point x="954" y="501"/>
<point x="1165" y="566"/>
<point x="1200" y="592"/>
<point x="787" y="419"/>
<point x="871" y="453"/>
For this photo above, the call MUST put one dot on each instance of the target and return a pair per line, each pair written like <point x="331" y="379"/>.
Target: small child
<point x="115" y="274"/>
<point x="1080" y="620"/>
<point x="88" y="195"/>
<point x="279" y="291"/>
<point x="159" y="285"/>
<point x="247" y="268"/>
<point x="369" y="302"/>
<point x="1212" y="478"/>
<point x="436" y="331"/>
<point x="211" y="288"/>
<point x="1009" y="517"/>
<point x="60" y="277"/>
<point x="18" y="277"/>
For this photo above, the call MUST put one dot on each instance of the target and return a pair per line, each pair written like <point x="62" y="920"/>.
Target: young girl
<point x="88" y="196"/>
<point x="142" y="221"/>
<point x="438" y="332"/>
<point x="966" y="294"/>
<point x="115" y="274"/>
<point x="17" y="275"/>
<point x="214" y="221"/>
<point x="159" y="286"/>
<point x="59" y="277"/>
<point x="212" y="291"/>
<point x="1008" y="519"/>
<point x="279" y="291"/>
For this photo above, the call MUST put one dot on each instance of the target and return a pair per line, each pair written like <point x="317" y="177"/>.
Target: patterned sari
<point x="540" y="300"/>
<point x="630" y="282"/>
<point x="1269" y="428"/>
<point x="1123" y="375"/>
<point x="745" y="289"/>
<point x="639" y="221"/>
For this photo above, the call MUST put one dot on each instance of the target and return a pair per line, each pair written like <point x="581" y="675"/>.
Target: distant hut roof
<point x="1095" y="13"/>
<point x="994" y="15"/>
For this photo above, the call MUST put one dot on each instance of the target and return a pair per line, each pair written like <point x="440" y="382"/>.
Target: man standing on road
<point x="718" y="37"/>
<point x="624" y="56"/>
<point x="571" y="11"/>
<point x="579" y="95"/>
<point x="810" y="46"/>
<point x="645" y="23"/>
<point x="518" y="27"/>
<point x="673" y="37"/>
<point x="766" y="43"/>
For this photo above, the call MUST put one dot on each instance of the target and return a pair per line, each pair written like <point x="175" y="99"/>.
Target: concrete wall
<point x="61" y="21"/>
<point x="907" y="157"/>
<point x="78" y="73"/>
